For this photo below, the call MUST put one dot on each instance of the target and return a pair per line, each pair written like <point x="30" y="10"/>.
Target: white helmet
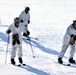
<point x="17" y="19"/>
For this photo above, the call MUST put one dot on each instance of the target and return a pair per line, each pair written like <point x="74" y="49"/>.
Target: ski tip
<point x="19" y="65"/>
<point x="24" y="64"/>
<point x="68" y="65"/>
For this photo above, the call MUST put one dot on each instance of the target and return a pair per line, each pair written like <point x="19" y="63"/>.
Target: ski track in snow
<point x="49" y="20"/>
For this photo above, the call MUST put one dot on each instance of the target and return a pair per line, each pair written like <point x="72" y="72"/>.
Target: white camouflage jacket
<point x="70" y="30"/>
<point x="15" y="30"/>
<point x="25" y="17"/>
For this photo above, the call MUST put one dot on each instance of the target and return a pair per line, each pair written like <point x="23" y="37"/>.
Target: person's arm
<point x="71" y="36"/>
<point x="28" y="18"/>
<point x="21" y="16"/>
<point x="8" y="31"/>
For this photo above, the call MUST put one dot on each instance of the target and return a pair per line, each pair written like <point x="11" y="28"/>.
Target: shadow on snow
<point x="34" y="70"/>
<point x="4" y="37"/>
<point x="44" y="49"/>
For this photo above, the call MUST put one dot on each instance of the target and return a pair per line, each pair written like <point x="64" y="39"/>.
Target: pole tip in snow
<point x="33" y="56"/>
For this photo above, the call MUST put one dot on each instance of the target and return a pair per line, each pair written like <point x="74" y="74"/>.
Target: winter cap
<point x="74" y="21"/>
<point x="17" y="19"/>
<point x="27" y="8"/>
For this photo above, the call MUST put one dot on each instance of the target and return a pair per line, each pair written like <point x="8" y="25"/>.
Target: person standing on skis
<point x="25" y="19"/>
<point x="16" y="38"/>
<point x="69" y="39"/>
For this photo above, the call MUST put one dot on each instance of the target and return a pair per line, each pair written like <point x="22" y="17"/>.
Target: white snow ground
<point x="49" y="20"/>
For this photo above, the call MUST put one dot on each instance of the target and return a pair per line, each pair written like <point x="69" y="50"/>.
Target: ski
<point x="18" y="65"/>
<point x="64" y="63"/>
<point x="69" y="64"/>
<point x="34" y="38"/>
<point x="73" y="63"/>
<point x="28" y="38"/>
<point x="21" y="65"/>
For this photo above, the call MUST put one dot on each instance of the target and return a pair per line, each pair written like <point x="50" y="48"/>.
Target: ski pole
<point x="31" y="47"/>
<point x="34" y="38"/>
<point x="7" y="49"/>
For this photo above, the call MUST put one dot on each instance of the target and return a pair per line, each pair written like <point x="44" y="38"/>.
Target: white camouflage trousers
<point x="14" y="50"/>
<point x="64" y="48"/>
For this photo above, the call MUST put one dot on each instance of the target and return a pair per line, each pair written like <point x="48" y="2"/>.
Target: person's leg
<point x="72" y="52"/>
<point x="20" y="54"/>
<point x="13" y="54"/>
<point x="64" y="48"/>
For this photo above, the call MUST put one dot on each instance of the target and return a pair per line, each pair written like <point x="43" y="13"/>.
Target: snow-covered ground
<point x="49" y="20"/>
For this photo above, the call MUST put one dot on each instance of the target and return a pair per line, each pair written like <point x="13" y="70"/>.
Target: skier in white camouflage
<point x="69" y="39"/>
<point x="16" y="39"/>
<point x="25" y="19"/>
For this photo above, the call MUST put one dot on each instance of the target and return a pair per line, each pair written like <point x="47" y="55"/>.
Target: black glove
<point x="28" y="33"/>
<point x="22" y="21"/>
<point x="72" y="35"/>
<point x="9" y="31"/>
<point x="28" y="21"/>
<point x="24" y="34"/>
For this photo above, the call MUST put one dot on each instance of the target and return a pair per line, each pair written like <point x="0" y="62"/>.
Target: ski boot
<point x="13" y="61"/>
<point x="21" y="61"/>
<point x="60" y="60"/>
<point x="71" y="60"/>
